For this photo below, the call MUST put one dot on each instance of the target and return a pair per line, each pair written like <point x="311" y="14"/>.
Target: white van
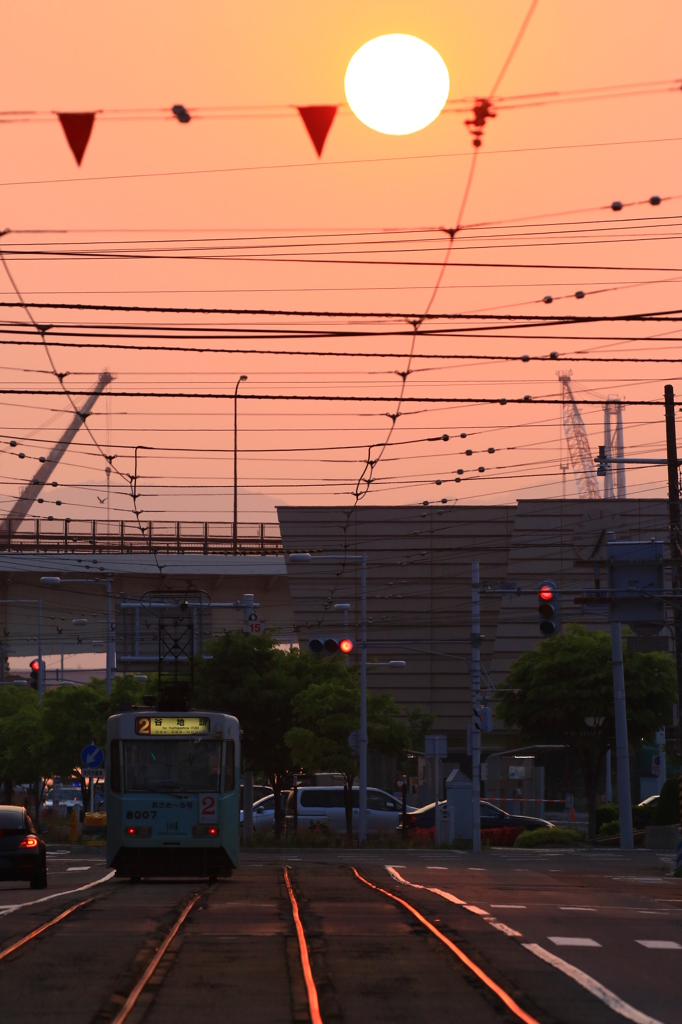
<point x="325" y="805"/>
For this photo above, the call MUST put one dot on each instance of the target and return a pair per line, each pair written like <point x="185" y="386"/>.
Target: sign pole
<point x="676" y="559"/>
<point x="475" y="702"/>
<point x="622" y="754"/>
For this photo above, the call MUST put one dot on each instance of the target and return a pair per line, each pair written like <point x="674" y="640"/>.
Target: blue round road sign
<point x="92" y="756"/>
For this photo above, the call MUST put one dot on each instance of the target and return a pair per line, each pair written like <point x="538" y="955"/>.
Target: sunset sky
<point x="237" y="212"/>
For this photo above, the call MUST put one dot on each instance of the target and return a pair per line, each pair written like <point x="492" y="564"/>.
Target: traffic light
<point x="35" y="673"/>
<point x="548" y="608"/>
<point x="331" y="645"/>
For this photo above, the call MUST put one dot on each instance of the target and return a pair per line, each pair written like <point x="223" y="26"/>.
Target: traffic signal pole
<point x="475" y="702"/>
<point x="622" y="752"/>
<point x="676" y="561"/>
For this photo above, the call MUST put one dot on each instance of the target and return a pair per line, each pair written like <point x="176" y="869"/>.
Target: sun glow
<point x="396" y="84"/>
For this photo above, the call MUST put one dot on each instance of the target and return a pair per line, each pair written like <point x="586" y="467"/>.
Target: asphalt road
<point x="236" y="956"/>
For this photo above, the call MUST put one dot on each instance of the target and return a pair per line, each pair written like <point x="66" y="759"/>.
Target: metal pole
<point x="110" y="639"/>
<point x="436" y="773"/>
<point x="622" y="753"/>
<point x="608" y="475"/>
<point x="609" y="792"/>
<point x="234" y="512"/>
<point x="676" y="559"/>
<point x="248" y="806"/>
<point x="41" y="669"/>
<point x="475" y="702"/>
<point x="362" y="740"/>
<point x="621" y="489"/>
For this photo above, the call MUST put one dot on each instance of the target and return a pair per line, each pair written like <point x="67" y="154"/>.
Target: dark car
<point x="491" y="817"/>
<point x="22" y="851"/>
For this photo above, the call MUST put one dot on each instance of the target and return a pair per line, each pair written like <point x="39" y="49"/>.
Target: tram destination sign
<point x="169" y="725"/>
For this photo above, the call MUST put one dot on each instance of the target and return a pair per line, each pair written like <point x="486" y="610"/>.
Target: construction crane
<point x="582" y="461"/>
<point x="24" y="502"/>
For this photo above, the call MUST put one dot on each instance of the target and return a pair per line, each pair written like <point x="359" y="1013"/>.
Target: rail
<point x="99" y="537"/>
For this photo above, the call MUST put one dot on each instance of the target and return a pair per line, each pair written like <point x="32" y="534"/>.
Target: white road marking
<point x="477" y="869"/>
<point x="55" y="895"/>
<point x="602" y="993"/>
<point x="570" y="940"/>
<point x="658" y="944"/>
<point x="511" y="932"/>
<point x="608" y="997"/>
<point x="509" y="906"/>
<point x="79" y="869"/>
<point x="592" y="909"/>
<point x="476" y="910"/>
<point x="432" y="867"/>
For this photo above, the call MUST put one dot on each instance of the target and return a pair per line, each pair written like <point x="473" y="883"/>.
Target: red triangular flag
<point x="77" y="128"/>
<point x="318" y="121"/>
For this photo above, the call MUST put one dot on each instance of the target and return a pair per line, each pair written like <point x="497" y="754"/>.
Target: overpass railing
<point x="92" y="536"/>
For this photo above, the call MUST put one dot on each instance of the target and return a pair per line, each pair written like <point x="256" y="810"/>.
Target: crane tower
<point x="582" y="461"/>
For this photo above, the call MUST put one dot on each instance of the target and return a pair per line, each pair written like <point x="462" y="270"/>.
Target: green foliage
<point x="609" y="828"/>
<point x="667" y="810"/>
<point x="250" y="677"/>
<point x="606" y="813"/>
<point x="562" y="692"/>
<point x="550" y="837"/>
<point x="73" y="716"/>
<point x="327" y="712"/>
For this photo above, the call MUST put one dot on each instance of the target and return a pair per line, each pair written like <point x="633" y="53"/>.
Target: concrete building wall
<point x="419" y="585"/>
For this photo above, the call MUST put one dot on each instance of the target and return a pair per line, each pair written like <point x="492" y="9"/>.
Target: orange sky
<point x="80" y="56"/>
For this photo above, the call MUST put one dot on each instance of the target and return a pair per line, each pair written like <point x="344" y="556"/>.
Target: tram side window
<point x="115" y="766"/>
<point x="229" y="766"/>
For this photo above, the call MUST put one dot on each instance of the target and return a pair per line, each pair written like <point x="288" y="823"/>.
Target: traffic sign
<point x="92" y="756"/>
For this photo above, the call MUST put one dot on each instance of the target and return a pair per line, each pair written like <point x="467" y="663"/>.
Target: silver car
<point x="325" y="805"/>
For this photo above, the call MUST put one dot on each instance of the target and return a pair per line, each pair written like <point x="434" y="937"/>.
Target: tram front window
<point x="172" y="766"/>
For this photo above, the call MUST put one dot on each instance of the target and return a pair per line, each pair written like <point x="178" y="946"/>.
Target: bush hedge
<point x="667" y="810"/>
<point x="550" y="837"/>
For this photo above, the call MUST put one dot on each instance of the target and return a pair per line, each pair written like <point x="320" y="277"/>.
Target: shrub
<point x="667" y="810"/>
<point x="606" y="813"/>
<point x="506" y="836"/>
<point x="550" y="837"/>
<point x="609" y="828"/>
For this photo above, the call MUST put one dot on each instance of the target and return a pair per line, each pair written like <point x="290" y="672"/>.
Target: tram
<point x="172" y="794"/>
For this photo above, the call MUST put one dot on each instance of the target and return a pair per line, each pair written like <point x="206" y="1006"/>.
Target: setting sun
<point x="396" y="84"/>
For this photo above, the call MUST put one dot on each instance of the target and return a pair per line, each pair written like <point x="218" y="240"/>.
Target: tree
<point x="326" y="713"/>
<point x="72" y="717"/>
<point x="12" y="700"/>
<point x="252" y="678"/>
<point x="22" y="741"/>
<point x="562" y="692"/>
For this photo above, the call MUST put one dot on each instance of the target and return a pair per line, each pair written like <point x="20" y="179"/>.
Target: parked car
<point x="22" y="851"/>
<point x="325" y="805"/>
<point x="264" y="812"/>
<point x="491" y="817"/>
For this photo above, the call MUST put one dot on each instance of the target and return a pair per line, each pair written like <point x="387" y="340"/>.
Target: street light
<point x="234" y="518"/>
<point x="110" y="641"/>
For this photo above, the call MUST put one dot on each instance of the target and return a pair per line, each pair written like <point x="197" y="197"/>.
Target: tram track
<point x="331" y="942"/>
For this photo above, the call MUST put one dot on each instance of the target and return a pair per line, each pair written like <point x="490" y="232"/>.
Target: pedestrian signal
<point x="331" y="645"/>
<point x="548" y="608"/>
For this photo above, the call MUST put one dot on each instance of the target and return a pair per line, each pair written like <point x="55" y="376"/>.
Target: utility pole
<point x="676" y="561"/>
<point x="234" y="517"/>
<point x="475" y="703"/>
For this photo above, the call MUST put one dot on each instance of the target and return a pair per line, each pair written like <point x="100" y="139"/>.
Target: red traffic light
<point x="346" y="646"/>
<point x="35" y="665"/>
<point x="546" y="593"/>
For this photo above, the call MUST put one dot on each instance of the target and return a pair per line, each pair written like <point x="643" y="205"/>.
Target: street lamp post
<point x="305" y="556"/>
<point x="111" y="639"/>
<point x="234" y="517"/>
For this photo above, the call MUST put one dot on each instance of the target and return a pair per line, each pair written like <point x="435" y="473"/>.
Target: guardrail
<point x="97" y="537"/>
